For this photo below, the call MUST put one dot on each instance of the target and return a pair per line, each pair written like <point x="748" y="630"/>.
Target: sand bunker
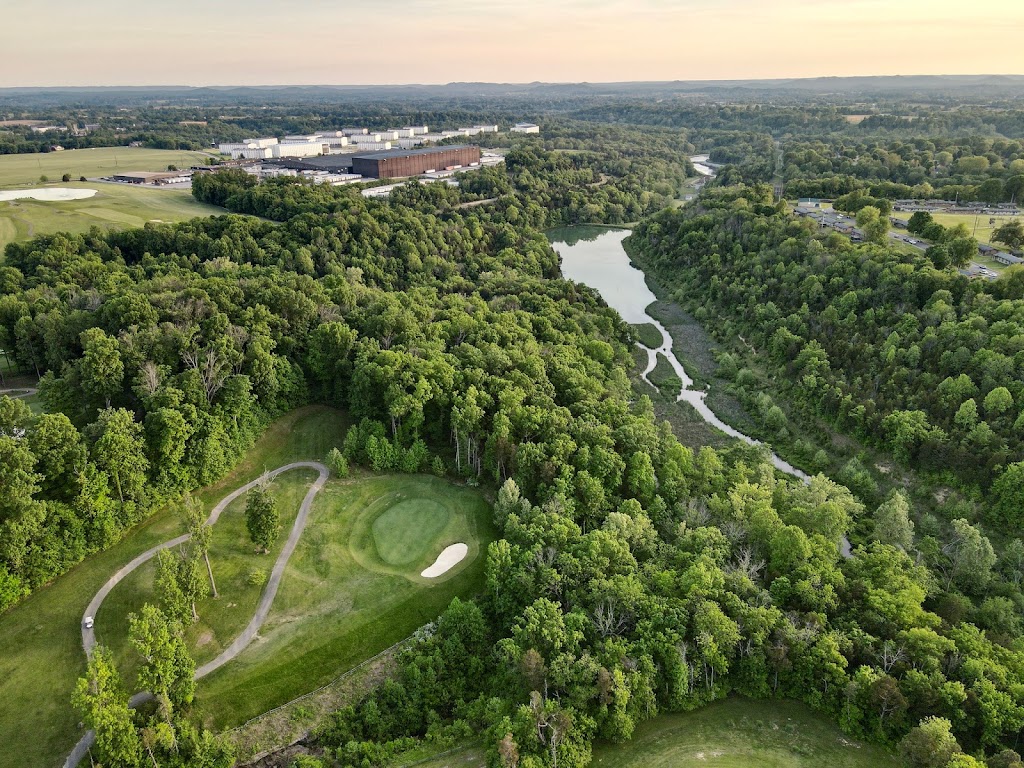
<point x="54" y="194"/>
<point x="448" y="559"/>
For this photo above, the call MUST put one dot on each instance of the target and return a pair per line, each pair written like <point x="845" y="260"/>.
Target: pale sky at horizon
<point x="259" y="42"/>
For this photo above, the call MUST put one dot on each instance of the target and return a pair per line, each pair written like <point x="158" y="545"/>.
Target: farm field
<point x="41" y="637"/>
<point x="735" y="733"/>
<point x="351" y="589"/>
<point x="25" y="169"/>
<point x="114" y="206"/>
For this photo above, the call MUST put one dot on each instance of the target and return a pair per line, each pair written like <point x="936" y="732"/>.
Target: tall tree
<point x="101" y="369"/>
<point x="195" y="520"/>
<point x="262" y="518"/>
<point x="120" y="450"/>
<point x="104" y="708"/>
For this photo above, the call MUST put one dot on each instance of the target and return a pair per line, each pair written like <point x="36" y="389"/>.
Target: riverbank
<point x="599" y="260"/>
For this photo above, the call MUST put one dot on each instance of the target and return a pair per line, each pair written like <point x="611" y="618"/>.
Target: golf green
<point x="405" y="532"/>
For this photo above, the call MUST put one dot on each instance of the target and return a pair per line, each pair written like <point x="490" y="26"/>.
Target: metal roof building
<point x="397" y="163"/>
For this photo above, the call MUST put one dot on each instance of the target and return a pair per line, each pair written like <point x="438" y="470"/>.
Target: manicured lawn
<point x="739" y="733"/>
<point x="736" y="733"/>
<point x="41" y="637"/>
<point x="25" y="170"/>
<point x="114" y="206"/>
<point x="408" y="531"/>
<point x="339" y="602"/>
<point x="233" y="558"/>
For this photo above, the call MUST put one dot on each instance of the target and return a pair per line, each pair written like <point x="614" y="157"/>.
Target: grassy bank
<point x="735" y="733"/>
<point x="41" y="636"/>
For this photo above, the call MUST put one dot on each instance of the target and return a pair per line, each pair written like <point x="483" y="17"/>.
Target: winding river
<point x="595" y="257"/>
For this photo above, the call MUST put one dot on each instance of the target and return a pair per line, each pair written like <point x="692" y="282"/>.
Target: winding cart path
<point x="262" y="610"/>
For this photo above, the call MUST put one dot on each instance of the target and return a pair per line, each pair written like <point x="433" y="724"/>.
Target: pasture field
<point x="25" y="170"/>
<point x="114" y="206"/>
<point x="735" y="733"/>
<point x="41" y="637"/>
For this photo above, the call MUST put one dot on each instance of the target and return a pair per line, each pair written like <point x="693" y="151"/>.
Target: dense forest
<point x="633" y="575"/>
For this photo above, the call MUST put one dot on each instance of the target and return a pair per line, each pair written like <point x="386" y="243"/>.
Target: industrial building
<point x="525" y="128"/>
<point x="398" y="163"/>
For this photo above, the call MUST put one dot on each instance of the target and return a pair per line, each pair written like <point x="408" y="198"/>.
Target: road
<point x="262" y="610"/>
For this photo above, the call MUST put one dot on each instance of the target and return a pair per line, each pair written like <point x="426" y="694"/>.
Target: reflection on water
<point x="595" y="257"/>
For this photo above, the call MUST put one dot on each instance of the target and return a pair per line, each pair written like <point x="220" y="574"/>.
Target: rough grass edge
<point x="290" y="723"/>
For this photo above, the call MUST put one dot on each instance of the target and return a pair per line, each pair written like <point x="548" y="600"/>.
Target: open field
<point x="351" y="589"/>
<point x="735" y="733"/>
<point x="41" y="637"/>
<point x="114" y="206"/>
<point x="984" y="228"/>
<point x="25" y="170"/>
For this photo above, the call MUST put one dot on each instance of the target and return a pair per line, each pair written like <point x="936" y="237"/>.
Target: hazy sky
<point x="203" y="42"/>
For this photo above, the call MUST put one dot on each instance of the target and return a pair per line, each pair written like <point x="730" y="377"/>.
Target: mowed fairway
<point x="25" y="170"/>
<point x="41" y="638"/>
<point x="339" y="603"/>
<point x="352" y="587"/>
<point x="114" y="206"/>
<point x="735" y="733"/>
<point x="739" y="733"/>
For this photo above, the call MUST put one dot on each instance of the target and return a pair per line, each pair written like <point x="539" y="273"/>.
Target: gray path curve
<point x="22" y="392"/>
<point x="262" y="610"/>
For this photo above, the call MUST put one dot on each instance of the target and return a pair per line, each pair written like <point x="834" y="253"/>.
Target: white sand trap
<point x="50" y="195"/>
<point x="448" y="559"/>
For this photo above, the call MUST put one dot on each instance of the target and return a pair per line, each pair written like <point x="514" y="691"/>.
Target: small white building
<point x="301" y="138"/>
<point x="410" y="143"/>
<point x="366" y="138"/>
<point x="486" y="128"/>
<point x="375" y="146"/>
<point x="354" y="131"/>
<point x="389" y="135"/>
<point x="525" y="128"/>
<point x="417" y="130"/>
<point x="428" y="137"/>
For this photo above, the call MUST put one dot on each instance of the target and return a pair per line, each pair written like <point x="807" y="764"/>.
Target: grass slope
<point x="339" y="604"/>
<point x="114" y="206"/>
<point x="735" y="733"/>
<point x="352" y="588"/>
<point x="41" y="638"/>
<point x="25" y="170"/>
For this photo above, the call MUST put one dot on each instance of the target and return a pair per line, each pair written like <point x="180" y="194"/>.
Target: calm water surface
<point x="595" y="257"/>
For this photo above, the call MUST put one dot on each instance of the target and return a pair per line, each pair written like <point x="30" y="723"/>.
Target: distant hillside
<point x="975" y="86"/>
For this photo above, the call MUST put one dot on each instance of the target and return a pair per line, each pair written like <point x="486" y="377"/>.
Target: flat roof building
<point x="399" y="163"/>
<point x="525" y="128"/>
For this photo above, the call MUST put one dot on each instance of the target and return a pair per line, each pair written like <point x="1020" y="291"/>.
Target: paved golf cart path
<point x="262" y="610"/>
<point x="22" y="392"/>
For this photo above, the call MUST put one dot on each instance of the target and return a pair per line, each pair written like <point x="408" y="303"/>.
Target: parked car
<point x="88" y="622"/>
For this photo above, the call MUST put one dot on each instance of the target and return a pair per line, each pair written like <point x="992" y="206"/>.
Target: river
<point x="595" y="257"/>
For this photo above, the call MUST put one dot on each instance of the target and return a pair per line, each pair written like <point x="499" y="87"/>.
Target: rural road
<point x="262" y="610"/>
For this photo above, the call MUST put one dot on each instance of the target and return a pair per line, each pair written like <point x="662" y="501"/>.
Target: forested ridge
<point x="633" y="575"/>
